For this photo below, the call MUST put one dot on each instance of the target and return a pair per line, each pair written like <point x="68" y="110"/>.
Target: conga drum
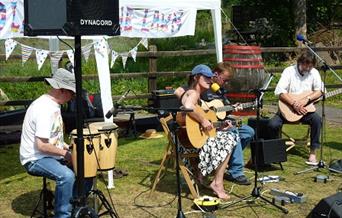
<point x="108" y="144"/>
<point x="91" y="149"/>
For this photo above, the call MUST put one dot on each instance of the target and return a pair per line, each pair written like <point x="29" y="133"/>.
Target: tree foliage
<point x="280" y="18"/>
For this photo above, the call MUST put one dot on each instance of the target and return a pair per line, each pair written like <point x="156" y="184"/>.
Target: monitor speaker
<point x="71" y="17"/>
<point x="263" y="131"/>
<point x="269" y="151"/>
<point x="328" y="207"/>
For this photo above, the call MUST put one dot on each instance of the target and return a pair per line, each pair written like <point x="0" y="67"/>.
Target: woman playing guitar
<point x="215" y="153"/>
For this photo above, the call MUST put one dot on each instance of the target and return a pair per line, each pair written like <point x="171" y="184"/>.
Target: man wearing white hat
<point x="42" y="150"/>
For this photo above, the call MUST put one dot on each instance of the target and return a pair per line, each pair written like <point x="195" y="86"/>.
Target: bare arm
<point x="44" y="146"/>
<point x="179" y="92"/>
<point x="299" y="105"/>
<point x="190" y="101"/>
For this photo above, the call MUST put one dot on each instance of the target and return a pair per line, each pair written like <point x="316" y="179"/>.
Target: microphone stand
<point x="174" y="127"/>
<point x="256" y="190"/>
<point x="325" y="67"/>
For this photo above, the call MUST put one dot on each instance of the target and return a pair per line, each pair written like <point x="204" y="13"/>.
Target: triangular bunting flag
<point x="115" y="55"/>
<point x="144" y="42"/>
<point x="86" y="51"/>
<point x="55" y="57"/>
<point x="41" y="56"/>
<point x="26" y="52"/>
<point x="101" y="46"/>
<point x="133" y="53"/>
<point x="124" y="57"/>
<point x="9" y="47"/>
<point x="70" y="54"/>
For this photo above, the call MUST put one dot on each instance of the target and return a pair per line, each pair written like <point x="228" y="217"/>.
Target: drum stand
<point x="109" y="209"/>
<point x="79" y="207"/>
<point x="98" y="194"/>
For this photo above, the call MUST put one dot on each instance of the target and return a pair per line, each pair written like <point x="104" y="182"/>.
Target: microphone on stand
<point x="220" y="92"/>
<point x="301" y="38"/>
<point x="114" y="110"/>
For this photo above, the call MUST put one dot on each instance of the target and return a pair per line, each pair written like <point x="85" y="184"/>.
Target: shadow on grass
<point x="334" y="145"/>
<point x="24" y="204"/>
<point x="301" y="150"/>
<point x="167" y="183"/>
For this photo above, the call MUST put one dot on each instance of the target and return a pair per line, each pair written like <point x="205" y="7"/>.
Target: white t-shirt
<point x="291" y="81"/>
<point x="43" y="119"/>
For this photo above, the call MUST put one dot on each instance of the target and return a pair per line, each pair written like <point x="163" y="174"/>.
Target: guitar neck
<point x="229" y="108"/>
<point x="333" y="93"/>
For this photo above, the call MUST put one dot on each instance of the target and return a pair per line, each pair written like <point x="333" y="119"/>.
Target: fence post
<point x="152" y="63"/>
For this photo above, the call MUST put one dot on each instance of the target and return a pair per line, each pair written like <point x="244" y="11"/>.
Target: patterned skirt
<point x="216" y="150"/>
<point x="213" y="152"/>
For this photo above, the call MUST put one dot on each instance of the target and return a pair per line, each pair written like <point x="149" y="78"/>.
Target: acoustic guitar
<point x="221" y="110"/>
<point x="191" y="132"/>
<point x="291" y="115"/>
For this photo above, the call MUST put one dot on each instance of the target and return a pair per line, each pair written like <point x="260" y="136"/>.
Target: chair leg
<point x="188" y="181"/>
<point x="161" y="168"/>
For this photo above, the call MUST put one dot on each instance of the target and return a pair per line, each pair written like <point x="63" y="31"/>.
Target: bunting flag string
<point x="55" y="56"/>
<point x="124" y="55"/>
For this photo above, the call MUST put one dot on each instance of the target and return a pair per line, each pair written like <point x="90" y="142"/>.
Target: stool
<point x="291" y="141"/>
<point x="46" y="196"/>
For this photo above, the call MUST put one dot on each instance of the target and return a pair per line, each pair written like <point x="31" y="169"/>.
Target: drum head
<point x="103" y="126"/>
<point x="86" y="132"/>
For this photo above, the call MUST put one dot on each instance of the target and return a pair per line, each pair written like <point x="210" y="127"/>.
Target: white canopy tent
<point x="213" y="5"/>
<point x="14" y="15"/>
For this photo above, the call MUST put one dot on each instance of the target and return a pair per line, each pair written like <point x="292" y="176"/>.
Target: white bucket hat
<point x="62" y="79"/>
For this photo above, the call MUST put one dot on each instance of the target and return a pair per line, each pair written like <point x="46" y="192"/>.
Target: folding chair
<point x="291" y="142"/>
<point x="169" y="154"/>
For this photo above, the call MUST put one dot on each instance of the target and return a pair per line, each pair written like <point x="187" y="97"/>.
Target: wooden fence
<point x="153" y="54"/>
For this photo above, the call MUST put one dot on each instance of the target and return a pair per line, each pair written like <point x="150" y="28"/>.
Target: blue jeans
<point x="312" y="119"/>
<point x="65" y="179"/>
<point x="236" y="162"/>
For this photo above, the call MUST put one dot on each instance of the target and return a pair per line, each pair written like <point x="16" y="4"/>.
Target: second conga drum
<point x="108" y="144"/>
<point x="91" y="149"/>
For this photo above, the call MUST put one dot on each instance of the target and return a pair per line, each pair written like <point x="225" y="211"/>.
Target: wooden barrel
<point x="249" y="73"/>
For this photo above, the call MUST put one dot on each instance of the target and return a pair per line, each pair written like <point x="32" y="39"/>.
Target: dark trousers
<point x="312" y="119"/>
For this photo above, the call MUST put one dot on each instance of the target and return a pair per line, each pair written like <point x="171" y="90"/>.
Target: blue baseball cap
<point x="203" y="70"/>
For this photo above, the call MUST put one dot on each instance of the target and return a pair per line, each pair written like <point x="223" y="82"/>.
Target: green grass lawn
<point x="141" y="157"/>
